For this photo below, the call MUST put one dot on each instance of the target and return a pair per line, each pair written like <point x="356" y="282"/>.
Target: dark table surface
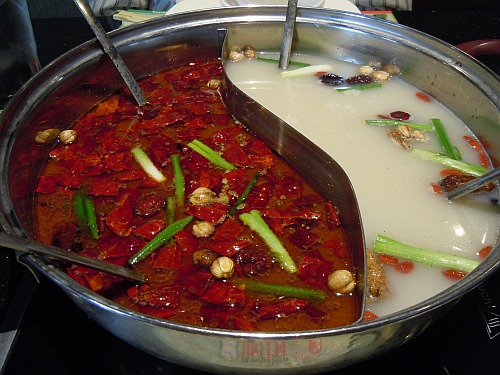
<point x="57" y="35"/>
<point x="55" y="337"/>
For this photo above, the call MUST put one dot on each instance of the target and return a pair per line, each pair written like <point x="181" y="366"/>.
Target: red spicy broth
<point x="131" y="209"/>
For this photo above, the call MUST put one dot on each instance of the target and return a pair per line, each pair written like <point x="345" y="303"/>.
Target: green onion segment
<point x="147" y="165"/>
<point x="160" y="239"/>
<point x="253" y="220"/>
<point x="389" y="246"/>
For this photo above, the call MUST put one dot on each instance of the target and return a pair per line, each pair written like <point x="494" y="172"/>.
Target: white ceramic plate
<point x="190" y="5"/>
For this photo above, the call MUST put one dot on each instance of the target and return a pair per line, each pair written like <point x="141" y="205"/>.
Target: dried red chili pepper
<point x="304" y="238"/>
<point x="69" y="180"/>
<point x="291" y="213"/>
<point x="227" y="248"/>
<point x="314" y="312"/>
<point x="259" y="196"/>
<point x="119" y="220"/>
<point x="237" y="180"/>
<point x="117" y="247"/>
<point x="196" y="123"/>
<point x="149" y="229"/>
<point x="95" y="280"/>
<point x="167" y="257"/>
<point x="217" y="118"/>
<point x="210" y="178"/>
<point x="47" y="185"/>
<point x="196" y="280"/>
<point x="230" y="229"/>
<point x="236" y="156"/>
<point x="254" y="262"/>
<point x="161" y="148"/>
<point x="289" y="188"/>
<point x="274" y="310"/>
<point x="198" y="109"/>
<point x="92" y="159"/>
<point x="129" y="176"/>
<point x="161" y="96"/>
<point x="225" y="136"/>
<point x="260" y="148"/>
<point x="98" y="282"/>
<point x="104" y="188"/>
<point x="213" y="213"/>
<point x="224" y="294"/>
<point x="308" y="200"/>
<point x="314" y="271"/>
<point x="78" y="277"/>
<point x="149" y="203"/>
<point x="67" y="236"/>
<point x="332" y="216"/>
<point x="186" y="241"/>
<point x="195" y="162"/>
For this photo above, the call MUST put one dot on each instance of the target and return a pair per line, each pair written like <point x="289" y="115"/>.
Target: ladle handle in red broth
<point x="481" y="47"/>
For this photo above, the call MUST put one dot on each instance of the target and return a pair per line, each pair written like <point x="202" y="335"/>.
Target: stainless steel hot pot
<point x="73" y="83"/>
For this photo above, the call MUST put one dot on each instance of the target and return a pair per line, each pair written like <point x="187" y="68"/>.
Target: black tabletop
<point x="55" y="337"/>
<point x="57" y="35"/>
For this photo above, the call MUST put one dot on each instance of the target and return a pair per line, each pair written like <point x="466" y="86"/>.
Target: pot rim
<point x="423" y="42"/>
<point x="447" y="296"/>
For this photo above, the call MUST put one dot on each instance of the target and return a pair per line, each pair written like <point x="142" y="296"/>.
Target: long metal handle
<point x="26" y="245"/>
<point x="286" y="45"/>
<point x="111" y="51"/>
<point x="474" y="184"/>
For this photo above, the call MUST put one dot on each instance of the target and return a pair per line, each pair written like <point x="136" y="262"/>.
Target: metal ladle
<point x="286" y="44"/>
<point x="30" y="246"/>
<point x="474" y="184"/>
<point x="111" y="51"/>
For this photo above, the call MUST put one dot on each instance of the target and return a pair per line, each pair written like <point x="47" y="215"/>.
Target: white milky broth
<point x="392" y="186"/>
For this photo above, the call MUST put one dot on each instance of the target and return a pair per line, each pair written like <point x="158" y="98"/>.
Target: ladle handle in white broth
<point x="286" y="45"/>
<point x="26" y="245"/>
<point x="474" y="184"/>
